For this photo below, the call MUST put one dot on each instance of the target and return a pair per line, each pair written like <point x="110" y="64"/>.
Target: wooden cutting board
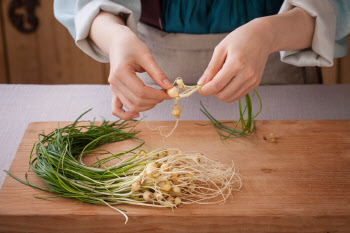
<point x="299" y="184"/>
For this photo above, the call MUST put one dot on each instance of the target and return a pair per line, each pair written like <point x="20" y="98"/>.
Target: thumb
<point x="215" y="65"/>
<point x="154" y="71"/>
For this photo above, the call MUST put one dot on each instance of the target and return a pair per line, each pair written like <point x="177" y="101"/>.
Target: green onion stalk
<point x="244" y="126"/>
<point x="57" y="159"/>
<point x="159" y="178"/>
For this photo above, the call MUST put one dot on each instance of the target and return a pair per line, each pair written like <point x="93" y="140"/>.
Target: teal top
<point x="209" y="16"/>
<point x="213" y="16"/>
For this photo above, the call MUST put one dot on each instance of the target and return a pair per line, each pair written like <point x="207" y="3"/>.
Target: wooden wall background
<point x="50" y="56"/>
<point x="3" y="64"/>
<point x="340" y="71"/>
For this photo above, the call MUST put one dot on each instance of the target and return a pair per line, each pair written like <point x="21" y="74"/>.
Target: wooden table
<point x="299" y="184"/>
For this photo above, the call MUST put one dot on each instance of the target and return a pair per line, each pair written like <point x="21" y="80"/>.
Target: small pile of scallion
<point x="245" y="126"/>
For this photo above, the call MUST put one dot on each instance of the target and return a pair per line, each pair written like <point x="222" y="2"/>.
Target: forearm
<point x="104" y="26"/>
<point x="289" y="31"/>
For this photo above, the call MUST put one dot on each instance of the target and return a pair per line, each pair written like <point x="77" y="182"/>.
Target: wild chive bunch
<point x="160" y="178"/>
<point x="175" y="178"/>
<point x="57" y="159"/>
<point x="245" y="126"/>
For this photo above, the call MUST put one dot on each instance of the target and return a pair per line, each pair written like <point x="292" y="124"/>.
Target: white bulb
<point x="173" y="92"/>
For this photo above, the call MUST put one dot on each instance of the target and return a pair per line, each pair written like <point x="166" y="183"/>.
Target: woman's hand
<point x="237" y="64"/>
<point x="239" y="60"/>
<point x="128" y="55"/>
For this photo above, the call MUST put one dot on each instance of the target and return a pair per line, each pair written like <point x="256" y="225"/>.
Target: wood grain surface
<point x="49" y="55"/>
<point x="3" y="65"/>
<point x="299" y="184"/>
<point x="339" y="72"/>
<point x="344" y="71"/>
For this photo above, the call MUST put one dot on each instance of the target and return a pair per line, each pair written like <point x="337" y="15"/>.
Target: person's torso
<point x="204" y="16"/>
<point x="182" y="35"/>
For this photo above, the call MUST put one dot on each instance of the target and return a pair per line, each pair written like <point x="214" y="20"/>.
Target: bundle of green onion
<point x="245" y="126"/>
<point x="160" y="178"/>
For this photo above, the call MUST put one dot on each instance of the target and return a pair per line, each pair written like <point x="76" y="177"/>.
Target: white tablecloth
<point x="21" y="104"/>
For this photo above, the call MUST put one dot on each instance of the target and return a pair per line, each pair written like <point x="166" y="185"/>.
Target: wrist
<point x="290" y="30"/>
<point x="117" y="34"/>
<point x="265" y="33"/>
<point x="103" y="29"/>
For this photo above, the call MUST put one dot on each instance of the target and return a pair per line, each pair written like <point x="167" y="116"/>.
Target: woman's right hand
<point x="128" y="55"/>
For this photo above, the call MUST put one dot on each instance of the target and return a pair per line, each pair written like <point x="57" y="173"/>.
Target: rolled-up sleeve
<point x="78" y="15"/>
<point x="329" y="40"/>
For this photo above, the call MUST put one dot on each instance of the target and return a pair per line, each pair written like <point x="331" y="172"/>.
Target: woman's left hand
<point x="237" y="63"/>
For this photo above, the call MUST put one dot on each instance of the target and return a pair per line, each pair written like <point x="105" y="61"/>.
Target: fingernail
<point x="167" y="82"/>
<point x="202" y="80"/>
<point x="135" y="115"/>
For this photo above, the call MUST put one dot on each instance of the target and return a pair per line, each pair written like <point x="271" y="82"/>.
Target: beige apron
<point x="188" y="55"/>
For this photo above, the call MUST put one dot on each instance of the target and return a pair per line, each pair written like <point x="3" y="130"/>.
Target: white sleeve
<point x="322" y="49"/>
<point x="85" y="17"/>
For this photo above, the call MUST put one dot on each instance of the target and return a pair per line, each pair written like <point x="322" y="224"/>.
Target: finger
<point x="154" y="71"/>
<point x="131" y="107"/>
<point x="237" y="88"/>
<point x="250" y="79"/>
<point x="138" y="101"/>
<point x="240" y="96"/>
<point x="219" y="82"/>
<point x="245" y="89"/>
<point x="135" y="85"/>
<point x="117" y="109"/>
<point x="215" y="64"/>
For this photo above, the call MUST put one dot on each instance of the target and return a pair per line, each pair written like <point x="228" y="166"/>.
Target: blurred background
<point x="43" y="52"/>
